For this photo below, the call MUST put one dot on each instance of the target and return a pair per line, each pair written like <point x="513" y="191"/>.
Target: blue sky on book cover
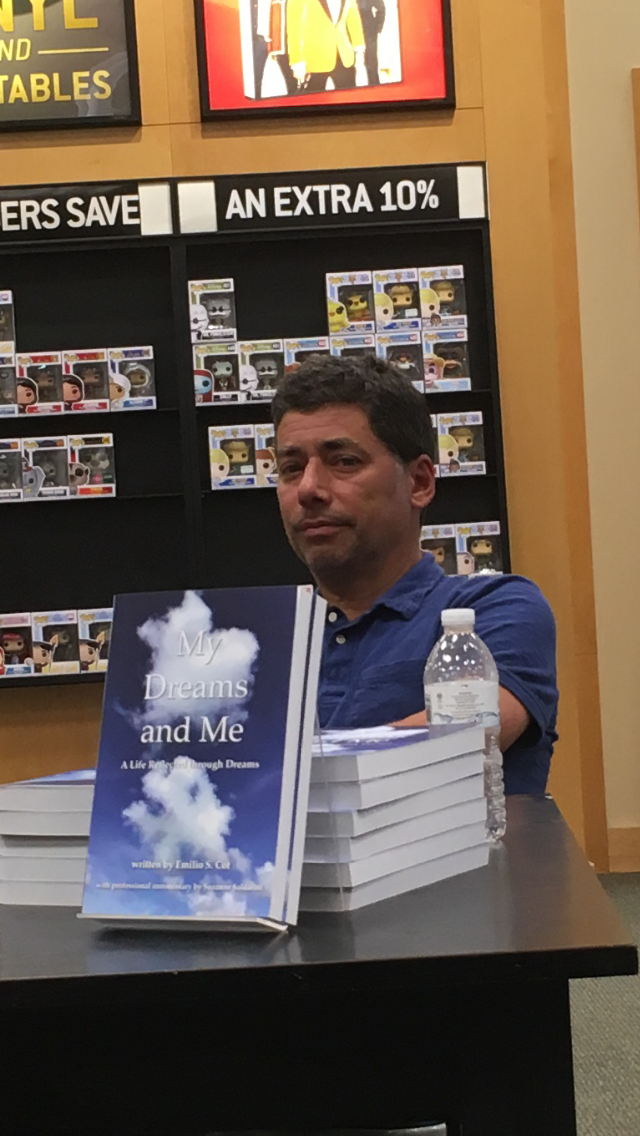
<point x="185" y="819"/>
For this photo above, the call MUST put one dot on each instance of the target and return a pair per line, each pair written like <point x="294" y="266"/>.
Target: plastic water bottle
<point x="461" y="685"/>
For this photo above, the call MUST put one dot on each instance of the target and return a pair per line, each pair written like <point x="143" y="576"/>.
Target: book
<point x="408" y="879"/>
<point x="60" y="792"/>
<point x="344" y="849"/>
<point x="362" y="755"/>
<point x="347" y="796"/>
<point x="21" y="822"/>
<point x="52" y="865"/>
<point x="393" y="860"/>
<point x="363" y="821"/>
<point x="205" y="757"/>
<point x="36" y="893"/>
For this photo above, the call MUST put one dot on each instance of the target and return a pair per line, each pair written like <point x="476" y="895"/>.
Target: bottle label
<point x="464" y="701"/>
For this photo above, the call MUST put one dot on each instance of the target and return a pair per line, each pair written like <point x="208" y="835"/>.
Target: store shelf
<point x="51" y="680"/>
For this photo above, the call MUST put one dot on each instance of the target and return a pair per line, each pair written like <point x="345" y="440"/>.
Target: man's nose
<point x="314" y="483"/>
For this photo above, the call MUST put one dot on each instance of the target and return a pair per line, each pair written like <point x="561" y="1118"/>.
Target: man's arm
<point x="514" y="719"/>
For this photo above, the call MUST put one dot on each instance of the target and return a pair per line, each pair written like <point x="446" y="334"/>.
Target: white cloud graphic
<point x="236" y="651"/>
<point x="182" y="818"/>
<point x="181" y="815"/>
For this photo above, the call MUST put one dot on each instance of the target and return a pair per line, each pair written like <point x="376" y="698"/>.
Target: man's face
<point x="344" y="498"/>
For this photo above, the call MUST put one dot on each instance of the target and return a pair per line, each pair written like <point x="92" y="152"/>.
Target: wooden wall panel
<point x="48" y="730"/>
<point x="359" y="140"/>
<point x="85" y="155"/>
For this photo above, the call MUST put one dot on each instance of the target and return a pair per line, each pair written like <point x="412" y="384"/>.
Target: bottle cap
<point x="454" y="617"/>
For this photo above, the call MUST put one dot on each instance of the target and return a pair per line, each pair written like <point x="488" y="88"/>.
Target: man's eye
<point x="347" y="459"/>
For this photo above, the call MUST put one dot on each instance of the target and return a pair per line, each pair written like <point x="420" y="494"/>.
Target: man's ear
<point x="424" y="481"/>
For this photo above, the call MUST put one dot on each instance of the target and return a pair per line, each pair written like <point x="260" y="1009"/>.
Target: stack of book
<point x="391" y="810"/>
<point x="44" y="835"/>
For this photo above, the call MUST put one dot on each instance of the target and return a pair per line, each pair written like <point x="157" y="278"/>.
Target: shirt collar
<point x="408" y="593"/>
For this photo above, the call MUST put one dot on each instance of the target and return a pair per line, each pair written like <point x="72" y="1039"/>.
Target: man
<point x="372" y="13"/>
<point x="325" y="40"/>
<point x="355" y="461"/>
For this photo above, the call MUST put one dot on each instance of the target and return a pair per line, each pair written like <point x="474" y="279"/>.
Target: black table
<point x="448" y="1004"/>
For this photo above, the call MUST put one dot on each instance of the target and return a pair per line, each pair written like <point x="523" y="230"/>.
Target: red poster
<point x="260" y="56"/>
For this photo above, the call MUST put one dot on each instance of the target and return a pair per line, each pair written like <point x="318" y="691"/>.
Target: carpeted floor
<point x="606" y="1035"/>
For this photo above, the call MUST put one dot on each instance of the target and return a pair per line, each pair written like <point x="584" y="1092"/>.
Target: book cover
<point x="203" y="770"/>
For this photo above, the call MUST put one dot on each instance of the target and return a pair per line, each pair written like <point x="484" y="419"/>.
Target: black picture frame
<point x="265" y="111"/>
<point x="132" y="119"/>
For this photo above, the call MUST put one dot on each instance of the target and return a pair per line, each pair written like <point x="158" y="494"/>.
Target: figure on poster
<point x="326" y="41"/>
<point x="267" y="39"/>
<point x="372" y="14"/>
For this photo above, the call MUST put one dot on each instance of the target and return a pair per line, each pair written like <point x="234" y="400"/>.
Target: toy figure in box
<point x="27" y="394"/>
<point x="8" y="390"/>
<point x="216" y="373"/>
<point x="353" y="344"/>
<point x="94" y="628"/>
<point x="89" y="655"/>
<point x="16" y="644"/>
<point x="440" y="541"/>
<point x="433" y="372"/>
<point x="43" y="656"/>
<point x="10" y="469"/>
<point x="461" y="443"/>
<point x="232" y="456"/>
<point x="213" y="311"/>
<point x="44" y="370"/>
<point x="92" y="466"/>
<point x="297" y="350"/>
<point x="7" y="322"/>
<point x="337" y="313"/>
<point x="266" y="464"/>
<point x="72" y="392"/>
<point x="87" y="372"/>
<point x="397" y="299"/>
<point x="132" y="384"/>
<point x="444" y="287"/>
<point x="261" y="367"/>
<point x="45" y="468"/>
<point x="16" y="648"/>
<point x="353" y="292"/>
<point x="481" y="541"/>
<point x="58" y="630"/>
<point x="404" y="350"/>
<point x="203" y="387"/>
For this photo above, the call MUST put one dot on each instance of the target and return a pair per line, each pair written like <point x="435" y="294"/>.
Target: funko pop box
<point x="396" y="297"/>
<point x="350" y="307"/>
<point x="212" y="308"/>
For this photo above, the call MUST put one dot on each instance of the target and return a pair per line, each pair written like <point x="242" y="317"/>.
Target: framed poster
<point x="68" y="63"/>
<point x="258" y="57"/>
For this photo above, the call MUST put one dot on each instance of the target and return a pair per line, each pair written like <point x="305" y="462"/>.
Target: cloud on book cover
<point x="181" y="818"/>
<point x="186" y="648"/>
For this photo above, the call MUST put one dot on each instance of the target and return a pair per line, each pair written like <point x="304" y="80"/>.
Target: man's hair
<point x="397" y="412"/>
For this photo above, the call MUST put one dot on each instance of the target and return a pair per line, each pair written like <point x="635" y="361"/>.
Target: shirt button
<point x="341" y="639"/>
<point x="332" y="616"/>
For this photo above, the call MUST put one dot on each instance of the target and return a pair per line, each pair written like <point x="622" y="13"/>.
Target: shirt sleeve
<point x="517" y="624"/>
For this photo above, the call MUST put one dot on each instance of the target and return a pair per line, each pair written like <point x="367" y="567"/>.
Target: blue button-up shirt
<point x="372" y="667"/>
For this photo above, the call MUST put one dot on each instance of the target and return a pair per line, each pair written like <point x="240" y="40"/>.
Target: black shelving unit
<point x="166" y="529"/>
